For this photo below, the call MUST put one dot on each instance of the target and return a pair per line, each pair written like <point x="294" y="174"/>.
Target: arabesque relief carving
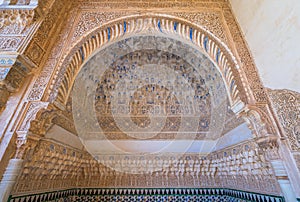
<point x="287" y="107"/>
<point x="66" y="34"/>
<point x="12" y="79"/>
<point x="15" y="21"/>
<point x="19" y="20"/>
<point x="246" y="61"/>
<point x="239" y="167"/>
<point x="167" y="26"/>
<point x="54" y="52"/>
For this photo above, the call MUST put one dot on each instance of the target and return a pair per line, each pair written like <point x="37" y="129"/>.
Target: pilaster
<point x="270" y="147"/>
<point x="9" y="178"/>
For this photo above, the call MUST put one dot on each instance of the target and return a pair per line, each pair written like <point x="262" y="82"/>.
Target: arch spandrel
<point x="125" y="27"/>
<point x="189" y="33"/>
<point x="117" y="30"/>
<point x="240" y="94"/>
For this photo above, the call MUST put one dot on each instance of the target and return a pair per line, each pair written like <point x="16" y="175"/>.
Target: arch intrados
<point x="124" y="27"/>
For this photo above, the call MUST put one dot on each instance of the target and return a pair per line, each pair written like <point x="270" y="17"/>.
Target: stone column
<point x="270" y="147"/>
<point x="283" y="180"/>
<point x="25" y="146"/>
<point x="9" y="178"/>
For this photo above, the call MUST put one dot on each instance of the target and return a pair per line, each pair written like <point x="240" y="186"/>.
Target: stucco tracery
<point x="54" y="73"/>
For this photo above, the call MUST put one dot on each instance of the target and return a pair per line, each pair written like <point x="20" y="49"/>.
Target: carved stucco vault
<point x="82" y="29"/>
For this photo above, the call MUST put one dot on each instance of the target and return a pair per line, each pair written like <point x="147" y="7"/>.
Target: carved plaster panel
<point x="35" y="52"/>
<point x="212" y="21"/>
<point x="56" y="166"/>
<point x="55" y="52"/>
<point x="213" y="5"/>
<point x="246" y="61"/>
<point x="60" y="167"/>
<point x="44" y="32"/>
<point x="151" y="5"/>
<point x="15" y="21"/>
<point x="91" y="20"/>
<point x="287" y="107"/>
<point x="31" y="111"/>
<point x="86" y="8"/>
<point x="10" y="43"/>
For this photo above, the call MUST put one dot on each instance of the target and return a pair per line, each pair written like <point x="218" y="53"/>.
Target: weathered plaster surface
<point x="272" y="30"/>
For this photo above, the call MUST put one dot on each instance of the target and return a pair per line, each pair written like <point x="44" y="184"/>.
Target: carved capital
<point x="25" y="140"/>
<point x="269" y="146"/>
<point x="4" y="96"/>
<point x="21" y="146"/>
<point x="43" y="121"/>
<point x="30" y="113"/>
<point x="13" y="72"/>
<point x="256" y="125"/>
<point x="25" y="144"/>
<point x="259" y="120"/>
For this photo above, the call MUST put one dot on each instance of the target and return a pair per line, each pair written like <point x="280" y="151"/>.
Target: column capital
<point x="13" y="71"/>
<point x="25" y="143"/>
<point x="269" y="146"/>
